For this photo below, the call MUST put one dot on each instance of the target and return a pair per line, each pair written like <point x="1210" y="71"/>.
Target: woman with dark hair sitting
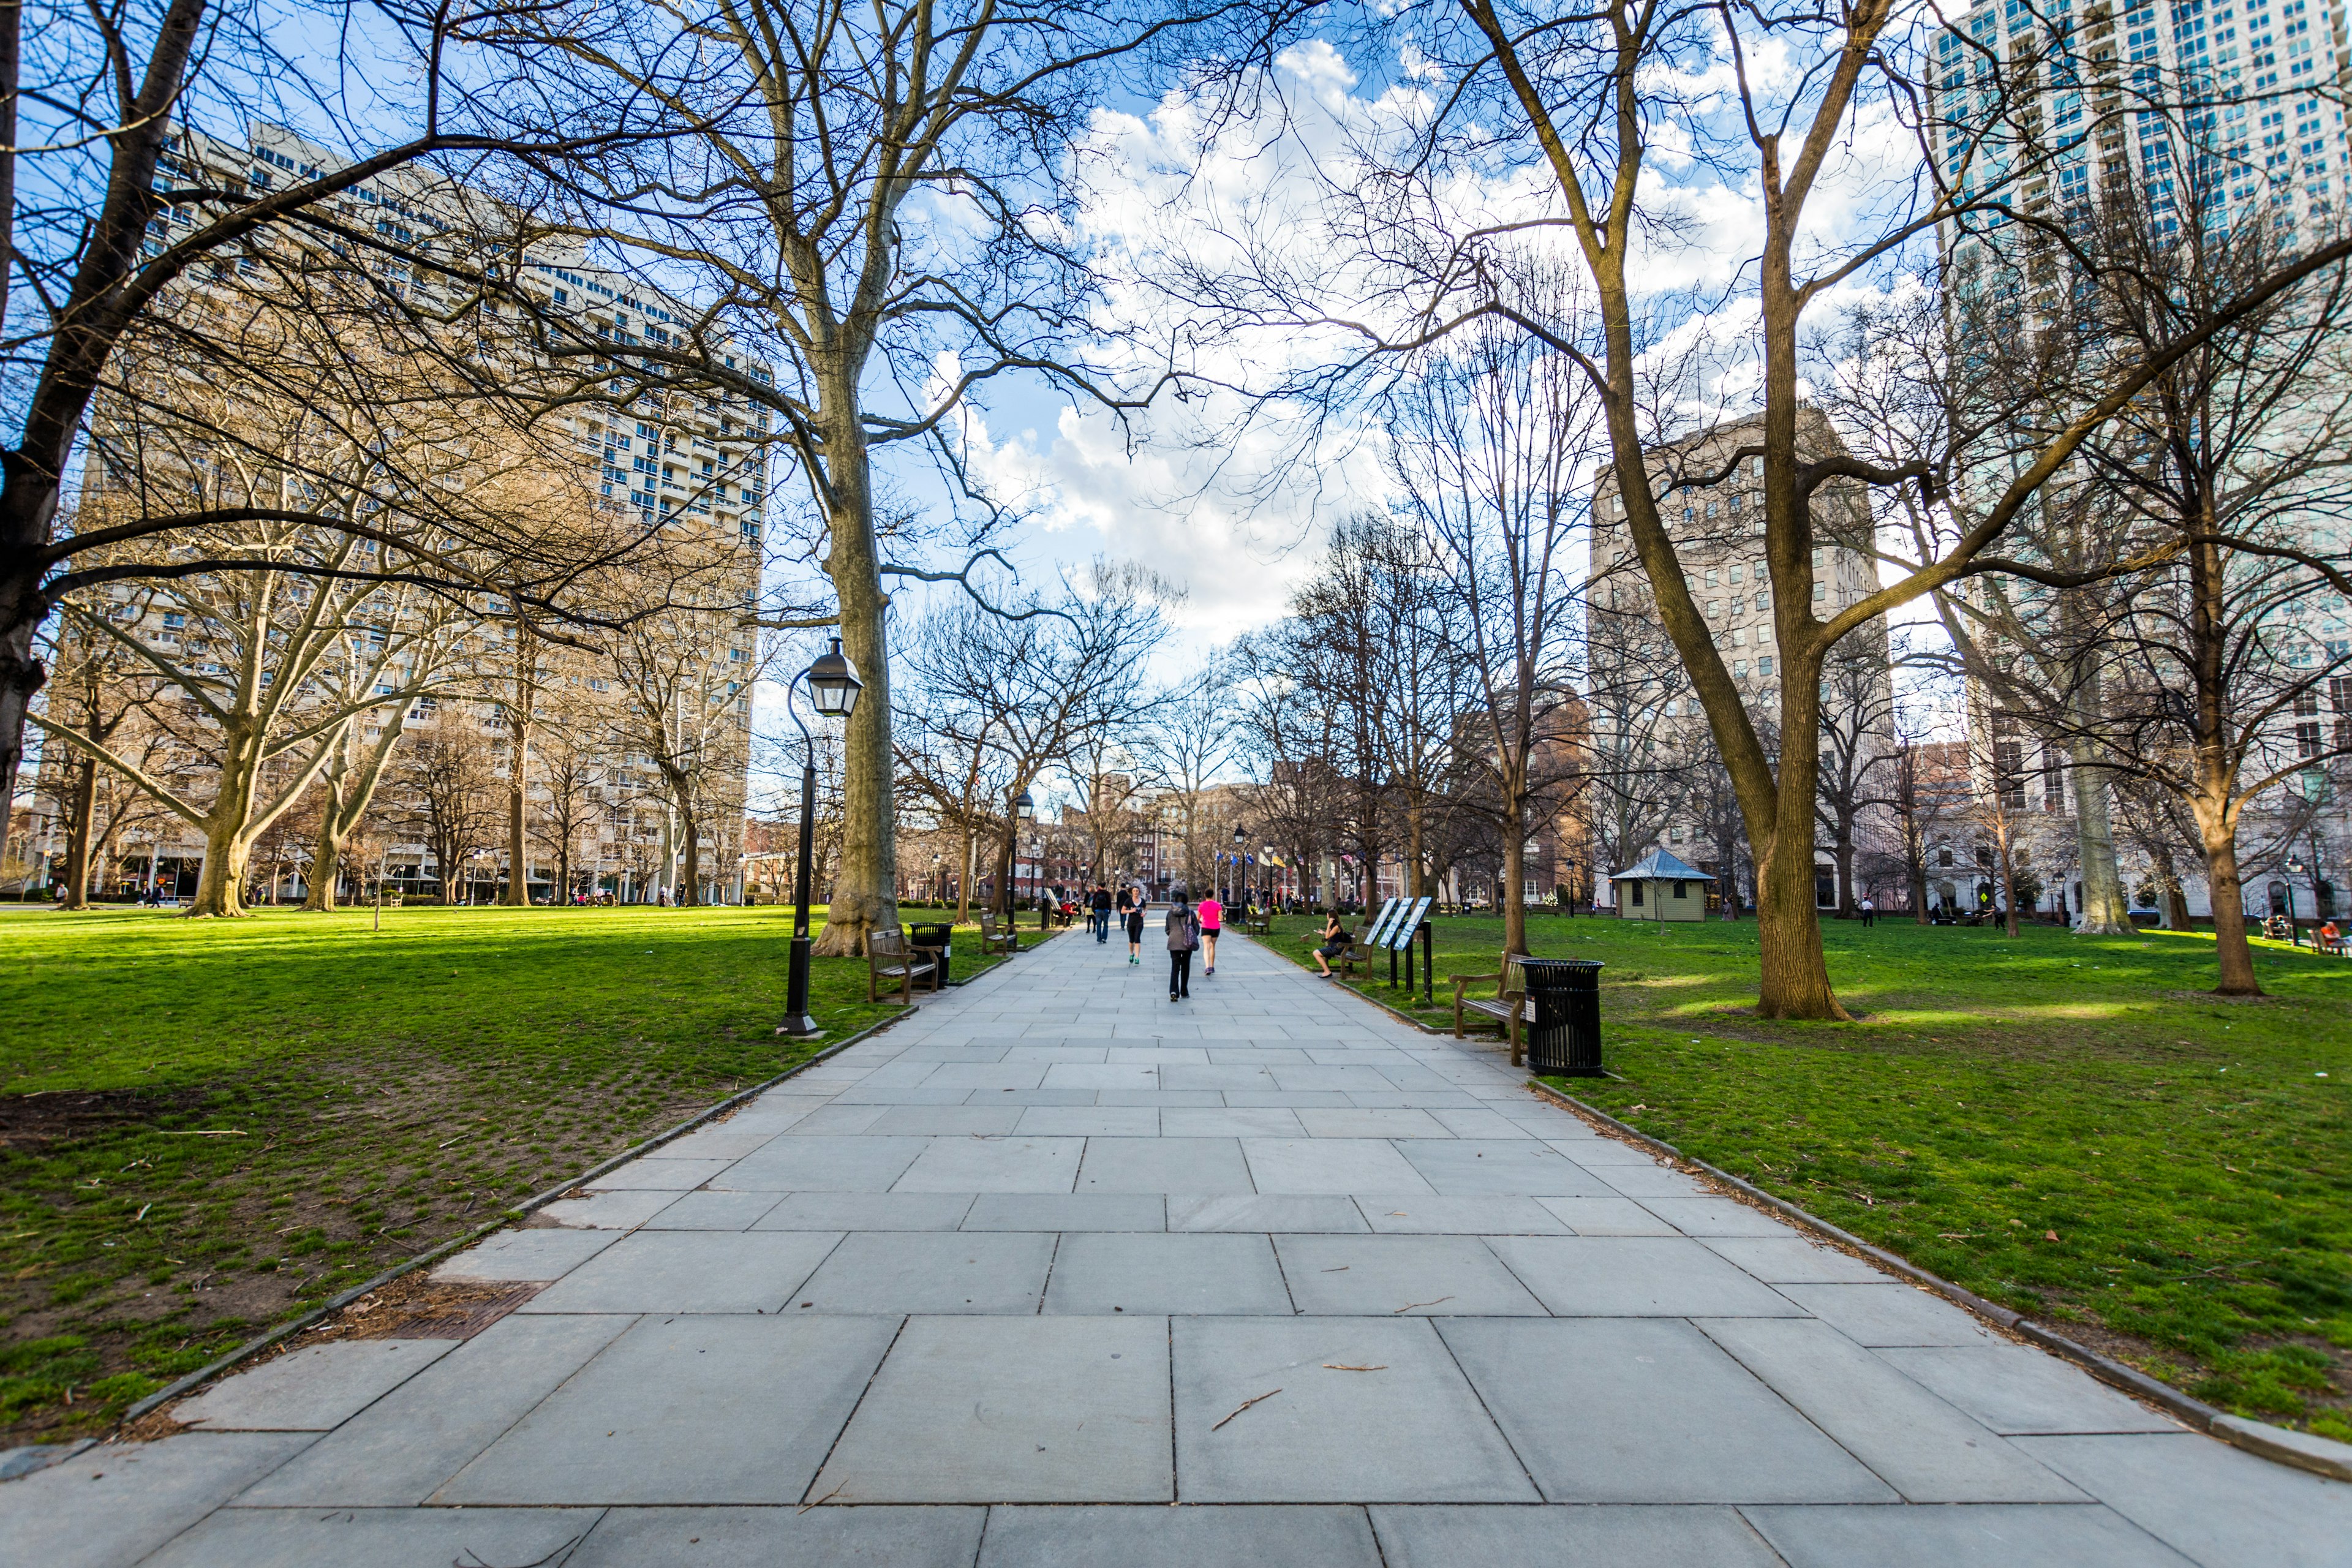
<point x="1335" y="942"/>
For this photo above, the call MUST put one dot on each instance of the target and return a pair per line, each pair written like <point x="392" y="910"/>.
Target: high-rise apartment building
<point x="2226" y="115"/>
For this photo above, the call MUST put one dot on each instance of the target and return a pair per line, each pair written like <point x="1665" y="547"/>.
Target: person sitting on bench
<point x="1335" y="942"/>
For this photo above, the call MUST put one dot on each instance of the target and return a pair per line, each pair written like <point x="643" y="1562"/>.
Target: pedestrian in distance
<point x="1184" y="928"/>
<point x="1869" y="913"/>
<point x="1135" y="902"/>
<point x="1212" y="920"/>
<point x="1098" y="913"/>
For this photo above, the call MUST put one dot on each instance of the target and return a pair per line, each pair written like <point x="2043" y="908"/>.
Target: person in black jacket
<point x="1184" y="928"/>
<point x="1099" y="913"/>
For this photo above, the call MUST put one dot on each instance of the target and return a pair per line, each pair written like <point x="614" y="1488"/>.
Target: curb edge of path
<point x="2301" y="1450"/>
<point x="506" y="1217"/>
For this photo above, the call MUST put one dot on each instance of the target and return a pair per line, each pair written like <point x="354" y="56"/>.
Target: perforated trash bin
<point x="939" y="937"/>
<point x="1564" y="1041"/>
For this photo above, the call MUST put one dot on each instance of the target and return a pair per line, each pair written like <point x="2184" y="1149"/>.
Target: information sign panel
<point x="1400" y="934"/>
<point x="1389" y="910"/>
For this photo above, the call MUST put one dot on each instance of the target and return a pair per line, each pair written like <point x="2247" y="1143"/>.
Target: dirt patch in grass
<point x="30" y="1121"/>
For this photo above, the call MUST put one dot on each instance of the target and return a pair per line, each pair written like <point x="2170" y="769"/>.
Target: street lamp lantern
<point x="833" y="683"/>
<point x="832" y="686"/>
<point x="1022" y="806"/>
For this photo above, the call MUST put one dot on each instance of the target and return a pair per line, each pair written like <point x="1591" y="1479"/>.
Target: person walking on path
<point x="1212" y="920"/>
<point x="1869" y="913"/>
<point x="1184" y="928"/>
<point x="1098" y="913"/>
<point x="1134" y="901"/>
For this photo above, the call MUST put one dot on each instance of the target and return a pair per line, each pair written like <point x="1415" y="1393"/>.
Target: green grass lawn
<point x="211" y="1126"/>
<point x="2067" y="1125"/>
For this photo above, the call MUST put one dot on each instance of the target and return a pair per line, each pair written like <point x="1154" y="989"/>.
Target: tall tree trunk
<point x="2217" y="828"/>
<point x="865" y="884"/>
<point x="1515" y="856"/>
<point x="326" y="862"/>
<point x="1795" y="977"/>
<point x="2008" y="879"/>
<point x="521" y="718"/>
<point x="84" y="824"/>
<point x="2106" y="910"/>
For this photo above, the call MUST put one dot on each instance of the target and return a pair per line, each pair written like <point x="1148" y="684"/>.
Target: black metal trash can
<point x="1564" y="1041"/>
<point x="939" y="937"/>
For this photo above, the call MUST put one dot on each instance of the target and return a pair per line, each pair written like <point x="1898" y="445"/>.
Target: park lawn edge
<point x="537" y="1200"/>
<point x="288" y="1329"/>
<point x="2303" y="1450"/>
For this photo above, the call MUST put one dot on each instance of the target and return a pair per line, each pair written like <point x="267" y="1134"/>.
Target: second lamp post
<point x="834" y="687"/>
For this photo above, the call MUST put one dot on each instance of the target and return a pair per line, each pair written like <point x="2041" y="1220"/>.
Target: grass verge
<point x="208" y="1127"/>
<point x="2069" y="1126"/>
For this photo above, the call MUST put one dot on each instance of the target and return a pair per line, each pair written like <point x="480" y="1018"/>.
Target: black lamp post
<point x="832" y="686"/>
<point x="1022" y="807"/>
<point x="1234" y="876"/>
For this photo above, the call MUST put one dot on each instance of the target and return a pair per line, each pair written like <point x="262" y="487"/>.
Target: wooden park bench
<point x="1508" y="1009"/>
<point x="892" y="962"/>
<point x="991" y="940"/>
<point x="1257" y="922"/>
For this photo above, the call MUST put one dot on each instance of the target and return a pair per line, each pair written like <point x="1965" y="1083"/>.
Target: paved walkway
<point x="1055" y="1242"/>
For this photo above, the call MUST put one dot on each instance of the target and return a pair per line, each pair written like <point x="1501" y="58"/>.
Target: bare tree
<point x="1489" y="447"/>
<point x="448" y="798"/>
<point x="1032" y="692"/>
<point x="2214" y="479"/>
<point x="686" y="678"/>
<point x="868" y="193"/>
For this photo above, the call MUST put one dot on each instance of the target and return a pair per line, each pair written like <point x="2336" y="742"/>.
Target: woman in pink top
<point x="1213" y="920"/>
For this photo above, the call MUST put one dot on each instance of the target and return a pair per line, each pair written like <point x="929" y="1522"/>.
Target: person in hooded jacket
<point x="1184" y="928"/>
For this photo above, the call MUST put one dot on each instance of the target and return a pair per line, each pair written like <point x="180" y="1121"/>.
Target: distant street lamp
<point x="1022" y="808"/>
<point x="2293" y="869"/>
<point x="833" y="686"/>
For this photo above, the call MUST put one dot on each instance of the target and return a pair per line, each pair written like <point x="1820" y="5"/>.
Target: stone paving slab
<point x="1400" y="1276"/>
<point x="526" y="1257"/>
<point x="2019" y="1392"/>
<point x="898" y="1272"/>
<point x="1410" y="1430"/>
<point x="2219" y="1506"/>
<point x="867" y="1211"/>
<point x="1977" y="1535"/>
<point x="1184" y="1275"/>
<point x="1923" y="1447"/>
<point x="1231" y="1536"/>
<point x="1883" y="1314"/>
<point x="314" y="1389"/>
<point x="1426" y="1536"/>
<point x="108" y="1506"/>
<point x="403" y="1447"/>
<point x="1012" y="1410"/>
<point x="379" y="1537"/>
<point x="701" y="1409"/>
<point x="1662" y="1415"/>
<point x="690" y="1271"/>
<point x="779" y="1538"/>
